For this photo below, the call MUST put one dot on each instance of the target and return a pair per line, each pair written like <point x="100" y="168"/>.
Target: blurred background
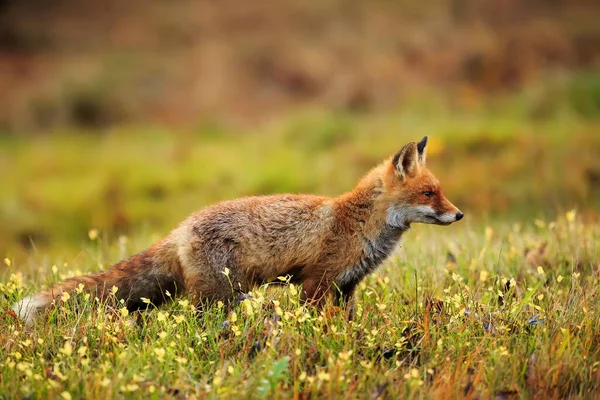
<point x="125" y="116"/>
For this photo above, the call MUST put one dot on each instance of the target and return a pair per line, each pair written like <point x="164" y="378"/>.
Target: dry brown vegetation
<point x="95" y="64"/>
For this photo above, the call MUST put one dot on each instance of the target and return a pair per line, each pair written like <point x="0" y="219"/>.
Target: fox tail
<point x="149" y="274"/>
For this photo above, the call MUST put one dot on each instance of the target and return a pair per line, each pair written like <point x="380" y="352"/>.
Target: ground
<point x="475" y="310"/>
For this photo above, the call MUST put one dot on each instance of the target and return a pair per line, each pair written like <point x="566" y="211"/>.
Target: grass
<point x="131" y="178"/>
<point x="503" y="310"/>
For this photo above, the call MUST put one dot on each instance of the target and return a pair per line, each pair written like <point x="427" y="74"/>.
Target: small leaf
<point x="536" y="320"/>
<point x="380" y="390"/>
<point x="489" y="328"/>
<point x="450" y="258"/>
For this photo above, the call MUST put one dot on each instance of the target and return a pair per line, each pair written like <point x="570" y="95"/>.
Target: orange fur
<point x="327" y="244"/>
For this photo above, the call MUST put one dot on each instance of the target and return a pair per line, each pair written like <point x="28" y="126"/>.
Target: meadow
<point x="494" y="311"/>
<point x="500" y="305"/>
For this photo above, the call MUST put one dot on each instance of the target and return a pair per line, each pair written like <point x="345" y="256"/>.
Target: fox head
<point x="413" y="193"/>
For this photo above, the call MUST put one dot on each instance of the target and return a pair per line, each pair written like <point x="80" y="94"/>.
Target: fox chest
<point x="375" y="252"/>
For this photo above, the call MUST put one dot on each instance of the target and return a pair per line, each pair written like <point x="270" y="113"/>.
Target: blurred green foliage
<point x="498" y="157"/>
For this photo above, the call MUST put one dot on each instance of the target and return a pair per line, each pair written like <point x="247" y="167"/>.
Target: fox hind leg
<point x="215" y="282"/>
<point x="315" y="290"/>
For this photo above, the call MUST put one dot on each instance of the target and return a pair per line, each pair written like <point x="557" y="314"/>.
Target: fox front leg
<point x="344" y="297"/>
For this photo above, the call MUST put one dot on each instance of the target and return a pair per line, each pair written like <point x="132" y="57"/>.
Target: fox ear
<point x="422" y="149"/>
<point x="406" y="161"/>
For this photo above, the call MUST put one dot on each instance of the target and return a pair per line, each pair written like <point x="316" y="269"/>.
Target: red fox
<point x="327" y="244"/>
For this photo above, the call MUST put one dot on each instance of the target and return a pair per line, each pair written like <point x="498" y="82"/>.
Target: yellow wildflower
<point x="93" y="234"/>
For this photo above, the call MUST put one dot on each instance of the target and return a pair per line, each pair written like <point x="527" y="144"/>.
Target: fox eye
<point x="428" y="194"/>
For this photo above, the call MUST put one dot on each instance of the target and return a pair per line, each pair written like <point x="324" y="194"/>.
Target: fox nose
<point x="459" y="216"/>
